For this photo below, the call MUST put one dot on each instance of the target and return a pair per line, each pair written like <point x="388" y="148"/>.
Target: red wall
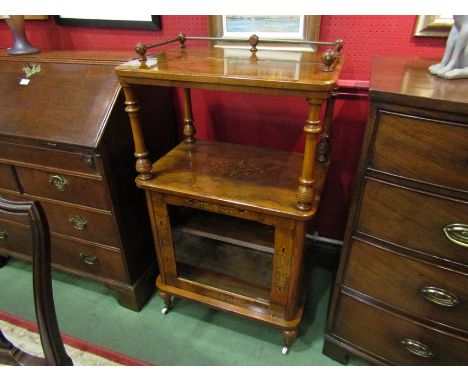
<point x="271" y="121"/>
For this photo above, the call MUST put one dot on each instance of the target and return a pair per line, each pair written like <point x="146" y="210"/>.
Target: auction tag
<point x="24" y="81"/>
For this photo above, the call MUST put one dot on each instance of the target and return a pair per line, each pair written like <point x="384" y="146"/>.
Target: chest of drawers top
<point x="407" y="81"/>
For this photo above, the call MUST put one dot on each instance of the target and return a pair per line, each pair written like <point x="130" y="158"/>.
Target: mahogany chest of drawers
<point x="64" y="141"/>
<point x="401" y="292"/>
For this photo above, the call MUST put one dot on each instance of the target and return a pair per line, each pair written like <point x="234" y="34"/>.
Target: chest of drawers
<point x="64" y="142"/>
<point x="401" y="292"/>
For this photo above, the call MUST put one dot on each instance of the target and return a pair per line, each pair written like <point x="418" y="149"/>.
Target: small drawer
<point x="90" y="259"/>
<point x="395" y="339"/>
<point x="49" y="157"/>
<point x="64" y="187"/>
<point x="412" y="219"/>
<point x="421" y="149"/>
<point x="7" y="178"/>
<point x="15" y="237"/>
<point x="83" y="224"/>
<point x="424" y="290"/>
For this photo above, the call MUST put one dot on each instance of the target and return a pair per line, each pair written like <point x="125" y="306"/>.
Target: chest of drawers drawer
<point x="64" y="187"/>
<point x="395" y="339"/>
<point x="426" y="150"/>
<point x="97" y="227"/>
<point x="87" y="258"/>
<point x="48" y="157"/>
<point x="15" y="237"/>
<point x="69" y="254"/>
<point x="412" y="219"/>
<point x="426" y="291"/>
<point x="7" y="179"/>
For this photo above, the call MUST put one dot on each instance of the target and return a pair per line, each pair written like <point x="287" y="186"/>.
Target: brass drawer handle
<point x="89" y="259"/>
<point x="3" y="235"/>
<point x="439" y="296"/>
<point x="417" y="348"/>
<point x="457" y="233"/>
<point x="58" y="181"/>
<point x="78" y="222"/>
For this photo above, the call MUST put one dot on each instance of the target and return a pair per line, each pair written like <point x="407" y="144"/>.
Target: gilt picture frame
<point x="298" y="28"/>
<point x="433" y="26"/>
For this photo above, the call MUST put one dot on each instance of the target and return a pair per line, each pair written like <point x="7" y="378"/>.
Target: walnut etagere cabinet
<point x="229" y="220"/>
<point x="64" y="136"/>
<point x="401" y="292"/>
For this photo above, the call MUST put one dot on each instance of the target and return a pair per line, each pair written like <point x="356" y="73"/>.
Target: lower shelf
<point x="231" y="303"/>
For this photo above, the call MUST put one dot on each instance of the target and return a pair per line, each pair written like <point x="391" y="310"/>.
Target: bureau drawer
<point x="413" y="286"/>
<point x="7" y="178"/>
<point x="381" y="333"/>
<point x="49" y="157"/>
<point x="15" y="237"/>
<point x="88" y="258"/>
<point x="412" y="219"/>
<point x="67" y="188"/>
<point x="427" y="150"/>
<point x="69" y="254"/>
<point x="83" y="224"/>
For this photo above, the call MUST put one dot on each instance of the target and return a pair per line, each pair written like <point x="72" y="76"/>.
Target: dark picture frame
<point x="153" y="24"/>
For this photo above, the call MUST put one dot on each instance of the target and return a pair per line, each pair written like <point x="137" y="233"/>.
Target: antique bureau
<point x="229" y="220"/>
<point x="401" y="292"/>
<point x="64" y="142"/>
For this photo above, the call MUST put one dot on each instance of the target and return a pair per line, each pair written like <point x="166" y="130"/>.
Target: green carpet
<point x="190" y="334"/>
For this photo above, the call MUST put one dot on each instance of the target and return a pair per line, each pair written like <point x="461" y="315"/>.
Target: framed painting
<point x="433" y="26"/>
<point x="284" y="27"/>
<point x="149" y="22"/>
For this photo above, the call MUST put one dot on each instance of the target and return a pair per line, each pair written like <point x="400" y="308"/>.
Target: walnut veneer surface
<point x="63" y="140"/>
<point x="229" y="221"/>
<point x="400" y="295"/>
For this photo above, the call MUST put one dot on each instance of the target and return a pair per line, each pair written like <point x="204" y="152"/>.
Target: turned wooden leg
<point x="143" y="164"/>
<point x="324" y="146"/>
<point x="189" y="128"/>
<point x="167" y="302"/>
<point x="305" y="192"/>
<point x="289" y="337"/>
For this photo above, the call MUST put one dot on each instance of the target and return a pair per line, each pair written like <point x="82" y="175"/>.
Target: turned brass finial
<point x="328" y="58"/>
<point x="140" y="48"/>
<point x="182" y="39"/>
<point x="339" y="45"/>
<point x="253" y="41"/>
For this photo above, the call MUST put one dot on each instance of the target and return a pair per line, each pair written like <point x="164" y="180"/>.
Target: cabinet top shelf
<point x="231" y="68"/>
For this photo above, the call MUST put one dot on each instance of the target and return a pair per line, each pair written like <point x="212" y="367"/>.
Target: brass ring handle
<point x="3" y="235"/>
<point x="89" y="259"/>
<point x="417" y="348"/>
<point x="439" y="296"/>
<point x="457" y="233"/>
<point x="58" y="181"/>
<point x="78" y="222"/>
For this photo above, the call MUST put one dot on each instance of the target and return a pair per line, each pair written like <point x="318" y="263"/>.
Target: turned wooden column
<point x="189" y="128"/>
<point x="305" y="192"/>
<point x="143" y="164"/>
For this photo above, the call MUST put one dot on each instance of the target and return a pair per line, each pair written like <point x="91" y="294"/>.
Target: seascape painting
<point x="281" y="27"/>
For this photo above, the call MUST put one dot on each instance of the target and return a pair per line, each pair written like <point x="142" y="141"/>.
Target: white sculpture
<point x="454" y="64"/>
